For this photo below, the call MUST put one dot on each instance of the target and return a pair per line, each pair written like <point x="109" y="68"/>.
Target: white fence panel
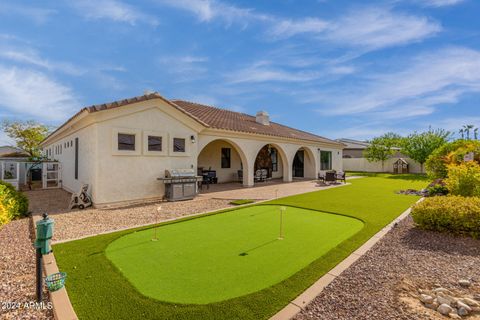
<point x="362" y="164"/>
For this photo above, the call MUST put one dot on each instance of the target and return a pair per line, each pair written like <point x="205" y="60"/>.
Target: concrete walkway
<point x="264" y="190"/>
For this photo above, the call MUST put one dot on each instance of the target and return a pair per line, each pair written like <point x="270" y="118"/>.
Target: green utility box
<point x="44" y="234"/>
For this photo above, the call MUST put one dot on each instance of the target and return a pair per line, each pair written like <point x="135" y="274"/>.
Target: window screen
<point x="126" y="142"/>
<point x="178" y="145"/>
<point x="154" y="143"/>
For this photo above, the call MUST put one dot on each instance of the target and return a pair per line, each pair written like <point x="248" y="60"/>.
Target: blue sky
<point x="351" y="69"/>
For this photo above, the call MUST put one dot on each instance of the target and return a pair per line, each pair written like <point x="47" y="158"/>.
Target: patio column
<point x="248" y="174"/>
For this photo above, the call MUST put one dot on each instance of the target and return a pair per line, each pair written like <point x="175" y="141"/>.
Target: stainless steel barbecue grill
<point x="180" y="184"/>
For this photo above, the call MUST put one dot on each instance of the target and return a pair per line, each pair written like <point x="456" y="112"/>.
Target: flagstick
<point x="282" y="210"/>
<point x="155" y="238"/>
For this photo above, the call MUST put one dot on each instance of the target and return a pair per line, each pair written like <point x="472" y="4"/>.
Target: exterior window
<point x="154" y="143"/>
<point x="274" y="156"/>
<point x="226" y="158"/>
<point x="126" y="142"/>
<point x="325" y="160"/>
<point x="76" y="158"/>
<point x="178" y="145"/>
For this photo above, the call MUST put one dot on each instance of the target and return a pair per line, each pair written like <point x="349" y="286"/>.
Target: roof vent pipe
<point x="263" y="118"/>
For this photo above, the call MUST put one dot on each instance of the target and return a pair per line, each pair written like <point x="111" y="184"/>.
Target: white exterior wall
<point x="133" y="175"/>
<point x="362" y="164"/>
<point x="87" y="157"/>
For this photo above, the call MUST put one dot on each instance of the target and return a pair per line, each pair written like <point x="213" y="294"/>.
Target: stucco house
<point x="121" y="148"/>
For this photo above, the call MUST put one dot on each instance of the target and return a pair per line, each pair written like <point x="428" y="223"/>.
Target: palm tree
<point x="475" y="133"/>
<point x="467" y="129"/>
<point x="461" y="132"/>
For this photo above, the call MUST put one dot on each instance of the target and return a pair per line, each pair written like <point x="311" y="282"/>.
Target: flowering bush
<point x="450" y="153"/>
<point x="464" y="179"/>
<point x="460" y="215"/>
<point x="13" y="204"/>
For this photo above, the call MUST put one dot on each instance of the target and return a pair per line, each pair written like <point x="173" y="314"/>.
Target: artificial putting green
<point x="98" y="290"/>
<point x="227" y="255"/>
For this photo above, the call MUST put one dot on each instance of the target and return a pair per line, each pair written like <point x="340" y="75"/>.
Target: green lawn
<point x="99" y="290"/>
<point x="234" y="253"/>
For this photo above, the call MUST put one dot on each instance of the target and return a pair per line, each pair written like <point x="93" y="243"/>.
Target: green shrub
<point x="437" y="190"/>
<point x="455" y="214"/>
<point x="464" y="179"/>
<point x="450" y="153"/>
<point x="13" y="204"/>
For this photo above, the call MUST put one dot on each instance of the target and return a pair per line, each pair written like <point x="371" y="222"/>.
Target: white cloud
<point x="32" y="57"/>
<point x="33" y="94"/>
<point x="288" y="28"/>
<point x="263" y="71"/>
<point x="208" y="10"/>
<point x="375" y="28"/>
<point x="184" y="68"/>
<point x="441" y="3"/>
<point x="112" y="10"/>
<point x="38" y="15"/>
<point x="431" y="79"/>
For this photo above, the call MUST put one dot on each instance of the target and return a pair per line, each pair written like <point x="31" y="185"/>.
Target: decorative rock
<point x="445" y="309"/>
<point x="462" y="311"/>
<point x="454" y="316"/>
<point x="470" y="302"/>
<point x="442" y="290"/>
<point x="444" y="300"/>
<point x="464" y="283"/>
<point x="460" y="304"/>
<point x="426" y="299"/>
<point x="432" y="306"/>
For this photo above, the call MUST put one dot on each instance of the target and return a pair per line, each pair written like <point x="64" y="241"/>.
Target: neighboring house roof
<point x="358" y="144"/>
<point x="210" y="117"/>
<point x="12" y="152"/>
<point x="354" y="144"/>
<point x="240" y="122"/>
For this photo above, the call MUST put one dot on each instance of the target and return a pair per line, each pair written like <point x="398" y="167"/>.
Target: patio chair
<point x="259" y="176"/>
<point x="240" y="175"/>
<point x="330" y="176"/>
<point x="321" y="177"/>
<point x="340" y="175"/>
<point x="264" y="174"/>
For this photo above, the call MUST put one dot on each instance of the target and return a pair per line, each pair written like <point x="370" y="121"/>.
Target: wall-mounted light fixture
<point x="192" y="138"/>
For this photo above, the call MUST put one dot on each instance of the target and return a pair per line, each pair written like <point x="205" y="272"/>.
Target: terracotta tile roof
<point x="211" y="117"/>
<point x="235" y="121"/>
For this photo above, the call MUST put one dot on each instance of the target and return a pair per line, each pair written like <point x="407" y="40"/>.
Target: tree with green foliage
<point x="27" y="135"/>
<point x="419" y="146"/>
<point x="451" y="153"/>
<point x="381" y="148"/>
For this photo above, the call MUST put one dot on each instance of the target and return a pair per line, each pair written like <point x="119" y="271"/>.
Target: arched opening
<point x="270" y="163"/>
<point x="303" y="164"/>
<point x="223" y="161"/>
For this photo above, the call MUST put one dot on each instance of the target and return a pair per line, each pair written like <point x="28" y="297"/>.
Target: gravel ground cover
<point x="385" y="283"/>
<point x="80" y="223"/>
<point x="17" y="273"/>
